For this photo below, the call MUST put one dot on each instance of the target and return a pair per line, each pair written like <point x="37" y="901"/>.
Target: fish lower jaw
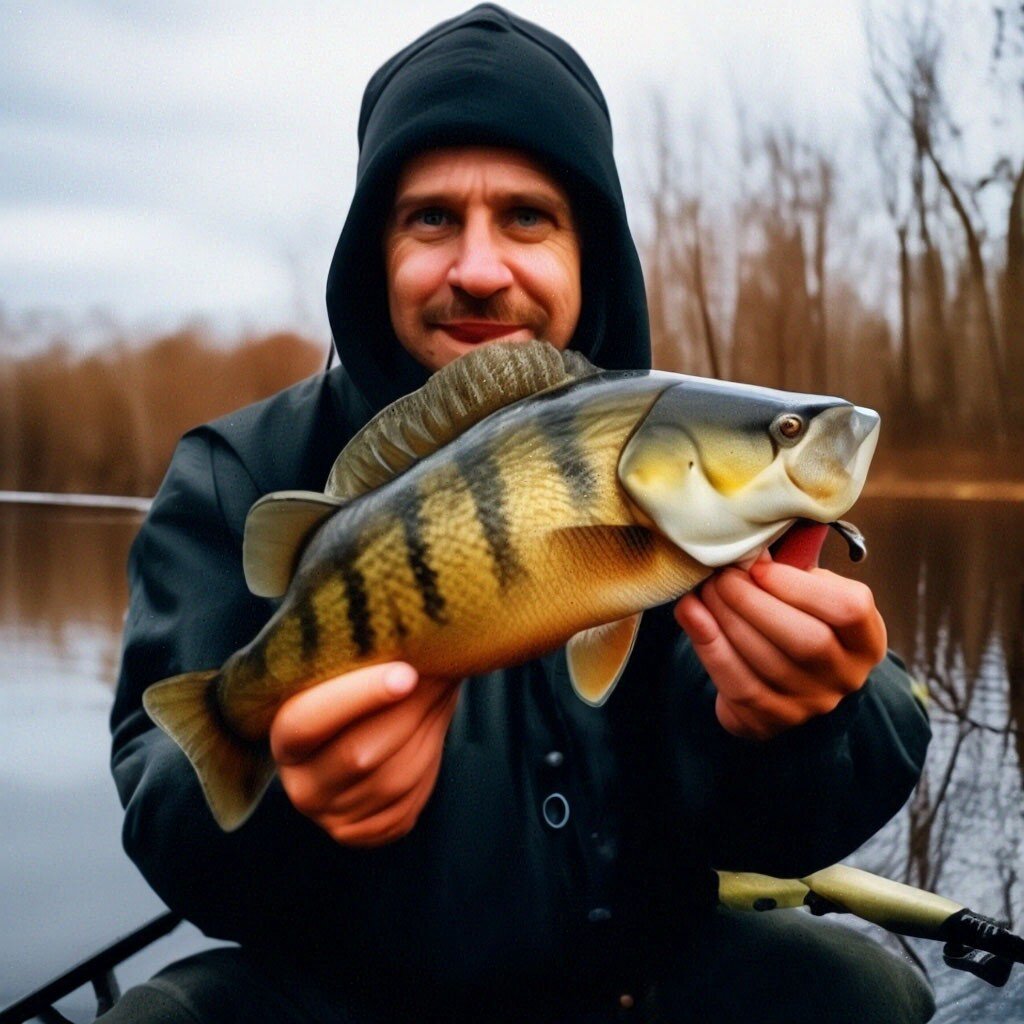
<point x="744" y="562"/>
<point x="748" y="560"/>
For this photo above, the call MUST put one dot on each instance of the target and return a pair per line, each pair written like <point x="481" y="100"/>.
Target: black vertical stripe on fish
<point x="419" y="561"/>
<point x="483" y="477"/>
<point x="636" y="541"/>
<point x="358" y="604"/>
<point x="570" y="458"/>
<point x="309" y="629"/>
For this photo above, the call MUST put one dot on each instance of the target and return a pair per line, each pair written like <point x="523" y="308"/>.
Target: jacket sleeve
<point x="189" y="608"/>
<point x="809" y="797"/>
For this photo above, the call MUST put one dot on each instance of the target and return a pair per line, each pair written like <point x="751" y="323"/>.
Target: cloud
<point x="181" y="154"/>
<point x="134" y="260"/>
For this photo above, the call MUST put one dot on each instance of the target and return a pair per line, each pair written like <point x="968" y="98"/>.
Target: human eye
<point x="528" y="217"/>
<point x="431" y="217"/>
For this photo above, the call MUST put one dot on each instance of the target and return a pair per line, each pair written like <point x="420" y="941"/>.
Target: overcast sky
<point x="164" y="160"/>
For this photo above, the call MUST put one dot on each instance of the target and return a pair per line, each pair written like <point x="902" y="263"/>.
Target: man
<point x="492" y="849"/>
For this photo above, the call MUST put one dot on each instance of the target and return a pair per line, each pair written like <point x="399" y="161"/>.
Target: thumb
<point x="801" y="545"/>
<point x="308" y="720"/>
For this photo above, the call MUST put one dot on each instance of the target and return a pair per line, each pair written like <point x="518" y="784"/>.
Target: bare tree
<point x="908" y="60"/>
<point x="679" y="256"/>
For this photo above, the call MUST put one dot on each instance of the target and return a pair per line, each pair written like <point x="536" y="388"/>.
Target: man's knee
<point x="222" y="986"/>
<point x="786" y="966"/>
<point x="863" y="982"/>
<point x="147" y="1004"/>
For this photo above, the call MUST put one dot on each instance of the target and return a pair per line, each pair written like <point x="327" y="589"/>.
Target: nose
<point x="479" y="267"/>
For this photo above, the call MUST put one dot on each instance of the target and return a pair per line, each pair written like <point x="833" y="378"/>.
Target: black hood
<point x="486" y="77"/>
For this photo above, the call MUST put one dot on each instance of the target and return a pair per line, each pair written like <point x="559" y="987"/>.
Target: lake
<point x="948" y="576"/>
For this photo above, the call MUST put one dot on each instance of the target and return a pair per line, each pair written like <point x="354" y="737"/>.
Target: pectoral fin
<point x="276" y="529"/>
<point x="598" y="656"/>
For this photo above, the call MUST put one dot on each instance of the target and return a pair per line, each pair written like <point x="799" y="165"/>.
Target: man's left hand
<point x="782" y="645"/>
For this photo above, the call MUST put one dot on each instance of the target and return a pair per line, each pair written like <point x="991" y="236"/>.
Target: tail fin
<point x="233" y="771"/>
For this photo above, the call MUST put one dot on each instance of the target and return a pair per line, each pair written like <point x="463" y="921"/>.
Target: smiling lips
<point x="474" y="331"/>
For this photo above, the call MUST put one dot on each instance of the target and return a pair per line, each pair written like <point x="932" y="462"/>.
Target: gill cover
<point x="722" y="469"/>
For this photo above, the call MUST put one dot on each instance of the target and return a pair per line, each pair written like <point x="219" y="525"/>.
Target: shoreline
<point x="930" y="489"/>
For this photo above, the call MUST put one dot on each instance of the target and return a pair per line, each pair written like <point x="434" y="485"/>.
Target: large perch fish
<point x="519" y="501"/>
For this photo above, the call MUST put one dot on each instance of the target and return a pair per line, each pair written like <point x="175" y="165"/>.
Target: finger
<point x="399" y="773"/>
<point x="695" y="620"/>
<point x="800" y="635"/>
<point x="309" y="719"/>
<point x="386" y="824"/>
<point x="733" y="677"/>
<point x="763" y="657"/>
<point x="371" y="741"/>
<point x="746" y="705"/>
<point x="848" y="606"/>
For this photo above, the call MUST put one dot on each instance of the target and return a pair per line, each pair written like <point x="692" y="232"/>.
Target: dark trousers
<point x="783" y="967"/>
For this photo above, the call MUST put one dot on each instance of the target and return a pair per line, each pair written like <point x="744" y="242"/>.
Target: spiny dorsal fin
<point x="457" y="396"/>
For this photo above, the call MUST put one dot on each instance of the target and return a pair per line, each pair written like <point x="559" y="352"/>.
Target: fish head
<point x="723" y="469"/>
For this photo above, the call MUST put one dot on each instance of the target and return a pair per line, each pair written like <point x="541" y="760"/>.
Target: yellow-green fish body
<point x="473" y="558"/>
<point x="491" y="533"/>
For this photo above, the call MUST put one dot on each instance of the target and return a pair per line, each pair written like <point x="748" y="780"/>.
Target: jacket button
<point x="554" y="758"/>
<point x="555" y="810"/>
<point x="599" y="914"/>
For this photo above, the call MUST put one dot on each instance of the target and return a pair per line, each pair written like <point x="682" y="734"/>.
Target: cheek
<point x="413" y="277"/>
<point x="557" y="281"/>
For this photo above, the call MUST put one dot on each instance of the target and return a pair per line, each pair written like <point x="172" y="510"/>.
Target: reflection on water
<point x="62" y="590"/>
<point x="948" y="576"/>
<point x="66" y="888"/>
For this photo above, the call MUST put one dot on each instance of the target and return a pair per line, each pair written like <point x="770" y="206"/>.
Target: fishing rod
<point x="973" y="943"/>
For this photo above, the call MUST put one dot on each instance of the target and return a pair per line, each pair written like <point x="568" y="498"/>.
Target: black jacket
<point x="488" y="891"/>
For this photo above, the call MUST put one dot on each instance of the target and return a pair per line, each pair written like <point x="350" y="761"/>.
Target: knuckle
<point x="356" y="759"/>
<point x="406" y="823"/>
<point x="347" y="835"/>
<point x="391" y="790"/>
<point x="822" y="705"/>
<point x="746" y="697"/>
<point x="814" y="646"/>
<point x="851" y="682"/>
<point x="856" y="605"/>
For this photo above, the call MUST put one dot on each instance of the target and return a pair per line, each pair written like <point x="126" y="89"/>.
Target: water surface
<point x="949" y="577"/>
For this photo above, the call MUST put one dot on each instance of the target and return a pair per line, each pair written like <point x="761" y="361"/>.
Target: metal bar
<point x="119" y="501"/>
<point x="52" y="1016"/>
<point x="94" y="970"/>
<point x="107" y="991"/>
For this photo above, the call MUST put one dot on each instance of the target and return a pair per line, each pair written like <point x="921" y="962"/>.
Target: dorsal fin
<point x="457" y="396"/>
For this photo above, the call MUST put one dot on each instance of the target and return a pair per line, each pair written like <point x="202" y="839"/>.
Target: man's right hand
<point x="359" y="754"/>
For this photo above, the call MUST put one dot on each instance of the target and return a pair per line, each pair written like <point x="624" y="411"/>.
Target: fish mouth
<point x="813" y="533"/>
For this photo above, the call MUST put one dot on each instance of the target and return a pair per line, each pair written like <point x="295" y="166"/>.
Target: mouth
<point x="473" y="332"/>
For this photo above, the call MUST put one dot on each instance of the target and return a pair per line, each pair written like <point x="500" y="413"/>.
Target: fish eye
<point x="788" y="427"/>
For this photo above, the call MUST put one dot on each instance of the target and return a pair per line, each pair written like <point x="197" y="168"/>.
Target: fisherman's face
<point x="480" y="246"/>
